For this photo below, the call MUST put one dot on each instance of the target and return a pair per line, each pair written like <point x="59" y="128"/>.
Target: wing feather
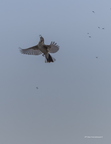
<point x="31" y="50"/>
<point x="53" y="48"/>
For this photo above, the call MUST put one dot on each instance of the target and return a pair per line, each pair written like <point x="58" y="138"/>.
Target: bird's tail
<point x="49" y="58"/>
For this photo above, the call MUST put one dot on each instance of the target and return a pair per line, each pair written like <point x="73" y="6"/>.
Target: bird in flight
<point x="93" y="11"/>
<point x="42" y="48"/>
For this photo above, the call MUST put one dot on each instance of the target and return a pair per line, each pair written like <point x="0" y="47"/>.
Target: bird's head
<point x="41" y="39"/>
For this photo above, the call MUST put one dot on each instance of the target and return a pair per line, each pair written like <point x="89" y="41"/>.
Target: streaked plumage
<point x="41" y="48"/>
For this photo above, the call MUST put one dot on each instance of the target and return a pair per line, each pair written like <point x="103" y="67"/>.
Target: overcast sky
<point x="73" y="99"/>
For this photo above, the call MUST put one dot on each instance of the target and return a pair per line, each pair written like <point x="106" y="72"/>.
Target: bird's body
<point x="42" y="48"/>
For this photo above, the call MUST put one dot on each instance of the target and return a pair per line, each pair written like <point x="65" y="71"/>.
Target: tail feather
<point x="49" y="58"/>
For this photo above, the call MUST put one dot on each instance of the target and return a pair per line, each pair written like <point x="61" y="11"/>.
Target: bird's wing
<point x="53" y="47"/>
<point x="31" y="50"/>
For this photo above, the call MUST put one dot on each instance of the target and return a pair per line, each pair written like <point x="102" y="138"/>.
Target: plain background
<point x="73" y="99"/>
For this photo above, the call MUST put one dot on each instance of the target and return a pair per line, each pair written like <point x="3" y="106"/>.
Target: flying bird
<point x="93" y="11"/>
<point x="89" y="36"/>
<point x="42" y="48"/>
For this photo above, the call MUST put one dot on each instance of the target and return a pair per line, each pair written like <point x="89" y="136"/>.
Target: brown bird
<point x="43" y="49"/>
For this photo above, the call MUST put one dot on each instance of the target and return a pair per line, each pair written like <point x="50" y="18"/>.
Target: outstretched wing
<point x="31" y="51"/>
<point x="53" y="47"/>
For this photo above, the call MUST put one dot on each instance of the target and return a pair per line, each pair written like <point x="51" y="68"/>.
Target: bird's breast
<point x="43" y="49"/>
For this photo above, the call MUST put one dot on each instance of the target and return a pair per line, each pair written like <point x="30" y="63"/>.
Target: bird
<point x="103" y="28"/>
<point x="99" y="27"/>
<point x="93" y="11"/>
<point x="89" y="36"/>
<point x="42" y="48"/>
<point x="96" y="57"/>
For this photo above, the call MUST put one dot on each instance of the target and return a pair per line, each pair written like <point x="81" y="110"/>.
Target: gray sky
<point x="73" y="99"/>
